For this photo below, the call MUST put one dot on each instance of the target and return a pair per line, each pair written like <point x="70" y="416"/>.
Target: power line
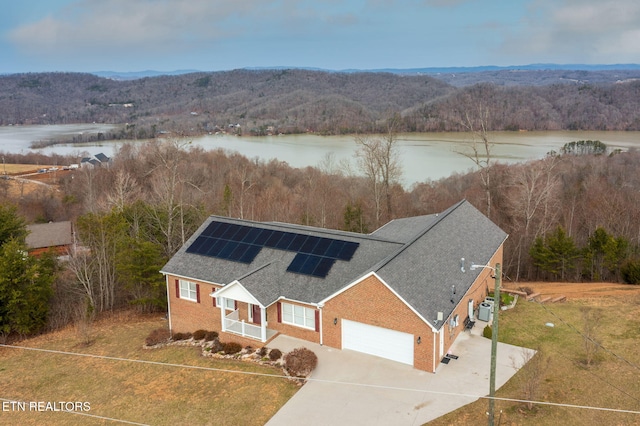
<point x="526" y="330"/>
<point x="249" y="373"/>
<point x="590" y="339"/>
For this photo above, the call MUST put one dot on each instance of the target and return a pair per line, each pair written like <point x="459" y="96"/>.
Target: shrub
<point x="216" y="346"/>
<point x="199" y="334"/>
<point x="159" y="335"/>
<point x="275" y="354"/>
<point x="262" y="351"/>
<point x="210" y="336"/>
<point x="631" y="272"/>
<point x="300" y="362"/>
<point x="230" y="348"/>
<point x="487" y="331"/>
<point x="181" y="336"/>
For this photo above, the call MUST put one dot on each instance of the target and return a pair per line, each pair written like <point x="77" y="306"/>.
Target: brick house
<point x="56" y="236"/>
<point x="403" y="292"/>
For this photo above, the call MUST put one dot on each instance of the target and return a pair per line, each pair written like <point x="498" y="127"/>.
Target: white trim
<point x="185" y="292"/>
<point x="293" y="316"/>
<point x="166" y="274"/>
<point x="240" y="294"/>
<point x="169" y="301"/>
<point x="373" y="273"/>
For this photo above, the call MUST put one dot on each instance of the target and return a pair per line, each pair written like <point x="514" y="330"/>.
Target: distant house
<point x="401" y="292"/>
<point x="97" y="160"/>
<point x="55" y="236"/>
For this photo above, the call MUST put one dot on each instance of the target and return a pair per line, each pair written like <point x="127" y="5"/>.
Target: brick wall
<point x="189" y="316"/>
<point x="477" y="292"/>
<point x="371" y="302"/>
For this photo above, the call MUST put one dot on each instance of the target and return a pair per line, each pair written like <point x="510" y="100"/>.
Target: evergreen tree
<point x="25" y="289"/>
<point x="557" y="254"/>
<point x="11" y="224"/>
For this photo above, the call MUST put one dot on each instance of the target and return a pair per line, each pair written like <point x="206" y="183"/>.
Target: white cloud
<point x="163" y="25"/>
<point x="578" y="31"/>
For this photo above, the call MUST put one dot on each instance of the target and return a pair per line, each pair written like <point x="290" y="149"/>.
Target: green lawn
<point x="612" y="382"/>
<point x="136" y="392"/>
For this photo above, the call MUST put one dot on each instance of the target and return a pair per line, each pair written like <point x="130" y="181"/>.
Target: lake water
<point x="424" y="156"/>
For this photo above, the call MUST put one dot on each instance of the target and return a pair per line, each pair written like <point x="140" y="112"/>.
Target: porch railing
<point x="233" y="325"/>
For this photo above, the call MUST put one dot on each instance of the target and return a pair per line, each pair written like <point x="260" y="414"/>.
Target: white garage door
<point x="378" y="341"/>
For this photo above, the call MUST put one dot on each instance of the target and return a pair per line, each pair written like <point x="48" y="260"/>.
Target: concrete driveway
<point x="353" y="388"/>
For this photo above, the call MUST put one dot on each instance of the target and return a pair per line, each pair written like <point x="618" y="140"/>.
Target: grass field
<point x="613" y="381"/>
<point x="136" y="392"/>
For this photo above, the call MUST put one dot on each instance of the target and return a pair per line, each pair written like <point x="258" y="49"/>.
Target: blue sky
<point x="212" y="35"/>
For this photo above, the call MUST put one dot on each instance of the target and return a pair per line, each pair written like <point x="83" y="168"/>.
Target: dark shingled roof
<point x="52" y="234"/>
<point x="418" y="257"/>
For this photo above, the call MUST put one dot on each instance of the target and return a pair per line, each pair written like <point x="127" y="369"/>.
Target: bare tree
<point x="591" y="321"/>
<point x="532" y="187"/>
<point x="377" y="158"/>
<point x="532" y="368"/>
<point x="477" y="123"/>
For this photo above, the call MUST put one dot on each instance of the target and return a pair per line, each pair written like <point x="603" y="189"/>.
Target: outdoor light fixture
<point x="335" y="321"/>
<point x="419" y="340"/>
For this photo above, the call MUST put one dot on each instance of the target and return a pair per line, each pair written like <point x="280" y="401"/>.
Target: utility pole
<point x="494" y="337"/>
<point x="494" y="345"/>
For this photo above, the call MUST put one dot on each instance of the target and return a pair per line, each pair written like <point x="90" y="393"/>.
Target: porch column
<point x="223" y="302"/>
<point x="263" y="324"/>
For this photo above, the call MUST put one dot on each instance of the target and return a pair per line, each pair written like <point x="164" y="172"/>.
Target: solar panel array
<point x="240" y="243"/>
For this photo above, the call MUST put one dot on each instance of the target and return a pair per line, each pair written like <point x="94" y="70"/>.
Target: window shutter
<point x="317" y="320"/>
<point x="279" y="306"/>
<point x="197" y="292"/>
<point x="235" y="305"/>
<point x="214" y="298"/>
<point x="177" y="289"/>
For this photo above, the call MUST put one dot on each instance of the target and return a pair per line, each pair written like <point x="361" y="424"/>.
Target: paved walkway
<point x="353" y="388"/>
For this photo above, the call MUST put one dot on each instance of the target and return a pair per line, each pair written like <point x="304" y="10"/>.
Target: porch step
<point x="532" y="296"/>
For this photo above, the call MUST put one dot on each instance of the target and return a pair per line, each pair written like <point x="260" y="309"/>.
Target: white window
<point x="188" y="290"/>
<point x="299" y="315"/>
<point x="229" y="304"/>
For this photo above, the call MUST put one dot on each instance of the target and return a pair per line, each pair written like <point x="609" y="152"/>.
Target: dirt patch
<point x="577" y="290"/>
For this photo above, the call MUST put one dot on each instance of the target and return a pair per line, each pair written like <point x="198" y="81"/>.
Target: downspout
<point x="434" y="352"/>
<point x="169" y="305"/>
<point x="320" y="319"/>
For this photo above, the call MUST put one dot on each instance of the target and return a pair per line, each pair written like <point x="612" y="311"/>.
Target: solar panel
<point x="348" y="250"/>
<point x="229" y="232"/>
<point x="297" y="242"/>
<point x="242" y="232"/>
<point x="285" y="241"/>
<point x="321" y="248"/>
<point x="323" y="267"/>
<point x="262" y="237"/>
<point x="250" y="254"/>
<point x="309" y="244"/>
<point x="195" y="246"/>
<point x="209" y="230"/>
<point x="315" y="256"/>
<point x="334" y="248"/>
<point x="273" y="240"/>
<point x="251" y="235"/>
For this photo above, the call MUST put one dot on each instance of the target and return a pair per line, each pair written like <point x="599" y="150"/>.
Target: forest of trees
<point x="298" y="101"/>
<point x="571" y="216"/>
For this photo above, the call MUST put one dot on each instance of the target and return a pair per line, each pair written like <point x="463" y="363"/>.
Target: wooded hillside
<point x="294" y="101"/>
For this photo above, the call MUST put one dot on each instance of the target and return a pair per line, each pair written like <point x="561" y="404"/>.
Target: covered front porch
<point x="234" y="325"/>
<point x="251" y="324"/>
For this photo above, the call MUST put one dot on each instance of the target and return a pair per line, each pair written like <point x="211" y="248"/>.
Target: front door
<point x="255" y="314"/>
